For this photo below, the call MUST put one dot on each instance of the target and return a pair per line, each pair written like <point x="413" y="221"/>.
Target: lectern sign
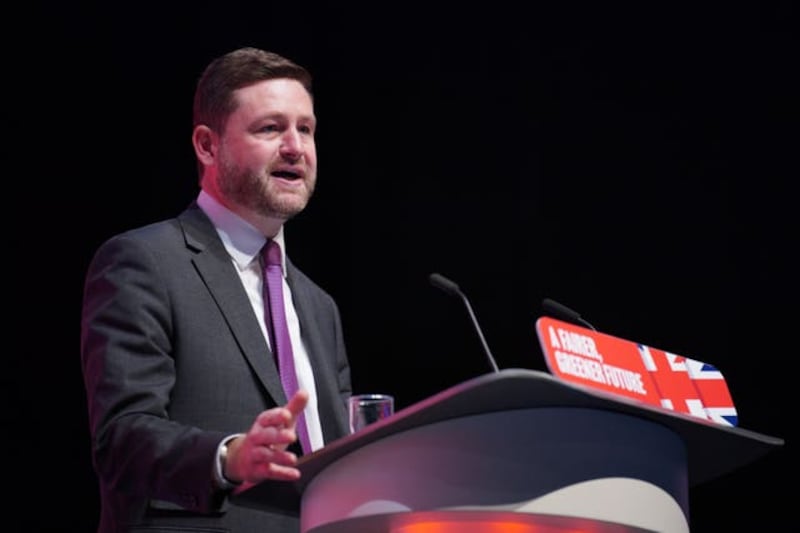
<point x="635" y="371"/>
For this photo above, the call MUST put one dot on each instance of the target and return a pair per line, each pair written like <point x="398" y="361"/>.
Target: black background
<point x="634" y="163"/>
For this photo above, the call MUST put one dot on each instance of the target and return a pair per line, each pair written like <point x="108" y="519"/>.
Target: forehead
<point x="278" y="96"/>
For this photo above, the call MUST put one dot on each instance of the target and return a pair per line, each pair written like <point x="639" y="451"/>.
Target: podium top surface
<point x="712" y="449"/>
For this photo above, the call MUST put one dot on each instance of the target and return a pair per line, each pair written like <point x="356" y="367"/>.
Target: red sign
<point x="635" y="371"/>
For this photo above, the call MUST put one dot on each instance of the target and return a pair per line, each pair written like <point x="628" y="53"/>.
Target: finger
<point x="275" y="417"/>
<point x="272" y="463"/>
<point x="282" y="473"/>
<point x="282" y="435"/>
<point x="280" y="456"/>
<point x="261" y="471"/>
<point x="297" y="402"/>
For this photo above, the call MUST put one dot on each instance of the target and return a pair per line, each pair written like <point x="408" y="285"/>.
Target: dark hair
<point x="213" y="97"/>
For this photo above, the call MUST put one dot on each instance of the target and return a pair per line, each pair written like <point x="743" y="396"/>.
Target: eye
<point x="269" y="128"/>
<point x="306" y="129"/>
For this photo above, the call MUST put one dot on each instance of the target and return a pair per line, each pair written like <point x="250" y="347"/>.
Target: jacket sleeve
<point x="129" y="374"/>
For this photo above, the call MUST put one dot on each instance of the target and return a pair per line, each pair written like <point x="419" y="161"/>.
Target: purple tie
<point x="275" y="316"/>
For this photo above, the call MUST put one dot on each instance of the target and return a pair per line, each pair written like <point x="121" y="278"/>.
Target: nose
<point x="291" y="144"/>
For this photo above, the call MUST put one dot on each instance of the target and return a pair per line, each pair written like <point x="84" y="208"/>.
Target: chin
<point x="288" y="209"/>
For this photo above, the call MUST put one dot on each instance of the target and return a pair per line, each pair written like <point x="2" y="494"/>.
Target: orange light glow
<point x="499" y="522"/>
<point x="467" y="527"/>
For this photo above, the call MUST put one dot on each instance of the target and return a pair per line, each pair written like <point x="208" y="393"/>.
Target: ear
<point x="205" y="142"/>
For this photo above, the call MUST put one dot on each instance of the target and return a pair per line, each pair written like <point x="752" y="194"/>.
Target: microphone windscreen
<point x="441" y="282"/>
<point x="553" y="307"/>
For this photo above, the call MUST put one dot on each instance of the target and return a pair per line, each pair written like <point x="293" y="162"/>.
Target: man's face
<point x="267" y="155"/>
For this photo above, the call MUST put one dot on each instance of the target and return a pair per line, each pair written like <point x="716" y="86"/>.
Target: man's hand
<point x="261" y="453"/>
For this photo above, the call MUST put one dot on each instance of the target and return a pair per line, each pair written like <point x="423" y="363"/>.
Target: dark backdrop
<point x="632" y="163"/>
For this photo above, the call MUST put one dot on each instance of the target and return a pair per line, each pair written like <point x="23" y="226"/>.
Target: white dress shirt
<point x="244" y="242"/>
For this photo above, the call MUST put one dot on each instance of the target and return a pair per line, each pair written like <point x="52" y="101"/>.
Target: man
<point x="184" y="394"/>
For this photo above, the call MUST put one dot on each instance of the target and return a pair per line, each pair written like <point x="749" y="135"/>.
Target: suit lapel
<point x="215" y="267"/>
<point x="325" y="375"/>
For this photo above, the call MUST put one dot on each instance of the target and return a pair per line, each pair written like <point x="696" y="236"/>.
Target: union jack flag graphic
<point x="689" y="386"/>
<point x="711" y="385"/>
<point x="671" y="377"/>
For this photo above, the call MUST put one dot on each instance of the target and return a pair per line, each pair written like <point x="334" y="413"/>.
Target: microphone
<point x="558" y="310"/>
<point x="441" y="282"/>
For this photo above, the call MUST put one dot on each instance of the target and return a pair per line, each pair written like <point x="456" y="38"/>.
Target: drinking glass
<point x="366" y="409"/>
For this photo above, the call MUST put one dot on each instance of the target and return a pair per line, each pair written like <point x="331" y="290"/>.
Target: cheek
<point x="311" y="153"/>
<point x="257" y="153"/>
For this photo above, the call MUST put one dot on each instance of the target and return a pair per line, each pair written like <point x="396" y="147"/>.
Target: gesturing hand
<point x="261" y="453"/>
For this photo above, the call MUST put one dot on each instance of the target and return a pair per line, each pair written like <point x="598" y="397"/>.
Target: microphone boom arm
<point x="480" y="333"/>
<point x="450" y="287"/>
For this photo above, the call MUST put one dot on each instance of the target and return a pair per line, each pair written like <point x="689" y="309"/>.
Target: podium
<point x="515" y="450"/>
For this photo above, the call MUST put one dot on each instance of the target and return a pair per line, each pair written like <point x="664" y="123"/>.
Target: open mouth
<point x="287" y="175"/>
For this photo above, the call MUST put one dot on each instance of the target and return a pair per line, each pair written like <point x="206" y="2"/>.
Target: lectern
<point x="516" y="450"/>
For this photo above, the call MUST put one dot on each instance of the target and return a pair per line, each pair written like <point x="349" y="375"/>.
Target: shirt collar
<point x="241" y="239"/>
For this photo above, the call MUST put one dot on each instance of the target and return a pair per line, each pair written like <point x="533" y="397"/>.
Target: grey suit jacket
<point x="174" y="360"/>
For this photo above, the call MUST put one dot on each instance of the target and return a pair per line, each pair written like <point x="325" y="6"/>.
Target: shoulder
<point x="149" y="237"/>
<point x="303" y="286"/>
<point x="190" y="226"/>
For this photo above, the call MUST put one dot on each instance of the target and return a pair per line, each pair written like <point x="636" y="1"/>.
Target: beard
<point x="259" y="193"/>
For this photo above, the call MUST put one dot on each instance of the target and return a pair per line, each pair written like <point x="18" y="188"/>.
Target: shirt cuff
<point x="220" y="480"/>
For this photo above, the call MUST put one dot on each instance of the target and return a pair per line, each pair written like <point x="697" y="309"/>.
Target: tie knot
<point x="272" y="253"/>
